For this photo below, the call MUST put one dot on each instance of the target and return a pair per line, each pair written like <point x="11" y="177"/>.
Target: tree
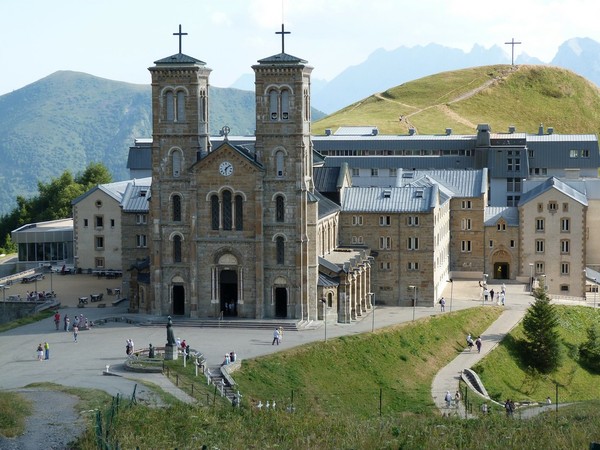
<point x="543" y="347"/>
<point x="589" y="351"/>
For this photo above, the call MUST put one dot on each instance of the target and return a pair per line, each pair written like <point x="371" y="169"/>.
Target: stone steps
<point x="228" y="324"/>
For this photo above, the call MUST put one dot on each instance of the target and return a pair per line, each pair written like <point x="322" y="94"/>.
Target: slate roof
<point x="135" y="198"/>
<point x="494" y="213"/>
<point x="392" y="200"/>
<point x="282" y="58"/>
<point x="462" y="183"/>
<point x="326" y="178"/>
<point x="179" y="58"/>
<point x="326" y="206"/>
<point x="553" y="183"/>
<point x="114" y="190"/>
<point x="326" y="281"/>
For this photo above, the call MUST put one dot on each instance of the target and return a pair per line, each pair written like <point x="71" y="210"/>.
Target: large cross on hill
<point x="512" y="43"/>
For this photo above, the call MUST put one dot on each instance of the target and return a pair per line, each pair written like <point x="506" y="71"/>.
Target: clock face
<point x="226" y="168"/>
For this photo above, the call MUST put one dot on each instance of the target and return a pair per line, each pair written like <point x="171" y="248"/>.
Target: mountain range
<point x="69" y="119"/>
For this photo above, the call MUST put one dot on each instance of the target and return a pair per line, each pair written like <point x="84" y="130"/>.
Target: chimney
<point x="448" y="131"/>
<point x="327" y="131"/>
<point x="541" y="129"/>
<point x="512" y="129"/>
<point x="411" y="131"/>
<point x="550" y="130"/>
<point x="483" y="135"/>
<point x="374" y="131"/>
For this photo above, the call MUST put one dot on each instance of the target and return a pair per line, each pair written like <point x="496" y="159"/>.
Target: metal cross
<point x="512" y="43"/>
<point x="180" y="34"/>
<point x="282" y="33"/>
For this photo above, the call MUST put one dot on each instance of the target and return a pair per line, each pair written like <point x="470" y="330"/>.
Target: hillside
<point x="501" y="95"/>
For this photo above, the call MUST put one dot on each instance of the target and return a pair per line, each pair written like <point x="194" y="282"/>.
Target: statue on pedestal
<point x="170" y="333"/>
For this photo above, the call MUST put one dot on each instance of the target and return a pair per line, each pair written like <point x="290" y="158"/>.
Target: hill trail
<point x="443" y="107"/>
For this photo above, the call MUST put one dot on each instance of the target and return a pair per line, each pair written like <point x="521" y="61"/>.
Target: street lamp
<point x="414" y="288"/>
<point x="451" y="292"/>
<point x="373" y="310"/>
<point x="530" y="278"/>
<point x="324" y="301"/>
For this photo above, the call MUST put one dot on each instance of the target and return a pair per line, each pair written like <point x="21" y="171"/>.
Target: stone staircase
<point x="286" y="324"/>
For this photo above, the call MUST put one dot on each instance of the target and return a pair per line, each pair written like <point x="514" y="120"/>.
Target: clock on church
<point x="226" y="168"/>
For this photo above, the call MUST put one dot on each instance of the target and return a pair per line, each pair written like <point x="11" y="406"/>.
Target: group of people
<point x="489" y="294"/>
<point x="129" y="347"/>
<point x="448" y="398"/>
<point x="229" y="358"/>
<point x="477" y="343"/>
<point x="33" y="296"/>
<point x="82" y="323"/>
<point x="43" y="351"/>
<point x="277" y="336"/>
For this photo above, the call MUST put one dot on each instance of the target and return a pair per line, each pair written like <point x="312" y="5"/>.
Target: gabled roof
<point x="392" y="200"/>
<point x="179" y="58"/>
<point x="240" y="150"/>
<point x="326" y="281"/>
<point x="492" y="214"/>
<point x="114" y="190"/>
<point x="329" y="265"/>
<point x="553" y="183"/>
<point x="282" y="58"/>
<point x="326" y="206"/>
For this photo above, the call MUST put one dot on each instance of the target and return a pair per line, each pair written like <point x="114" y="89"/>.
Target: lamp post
<point x="530" y="278"/>
<point x="373" y="310"/>
<point x="451" y="292"/>
<point x="3" y="300"/>
<point x="51" y="288"/>
<point x="414" y="288"/>
<point x="595" y="290"/>
<point x="324" y="301"/>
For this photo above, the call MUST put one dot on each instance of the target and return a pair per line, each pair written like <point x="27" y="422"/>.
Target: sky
<point x="120" y="39"/>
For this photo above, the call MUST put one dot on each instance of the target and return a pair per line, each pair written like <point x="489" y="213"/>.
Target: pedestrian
<point x="503" y="298"/>
<point x="484" y="409"/>
<point x="457" y="399"/>
<point x="128" y="348"/>
<point x="469" y="341"/>
<point x="226" y="360"/>
<point x="503" y="288"/>
<point x="280" y="335"/>
<point x="276" y="336"/>
<point x="548" y="400"/>
<point x="486" y="294"/>
<point x="492" y="295"/>
<point x="65" y="321"/>
<point x="40" y="352"/>
<point x="478" y="344"/>
<point x="57" y="319"/>
<point x="442" y="303"/>
<point x="75" y="332"/>
<point x="448" y="399"/>
<point x="46" y="350"/>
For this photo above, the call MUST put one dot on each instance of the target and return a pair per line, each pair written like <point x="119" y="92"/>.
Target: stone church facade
<point x="237" y="231"/>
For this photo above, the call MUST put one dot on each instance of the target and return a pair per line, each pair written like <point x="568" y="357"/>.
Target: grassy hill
<point x="523" y="96"/>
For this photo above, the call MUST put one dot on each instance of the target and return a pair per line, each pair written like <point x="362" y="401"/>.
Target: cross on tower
<point x="282" y="33"/>
<point x="180" y="34"/>
<point x="512" y="43"/>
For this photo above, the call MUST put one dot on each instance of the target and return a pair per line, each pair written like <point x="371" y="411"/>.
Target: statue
<point x="150" y="351"/>
<point x="170" y="334"/>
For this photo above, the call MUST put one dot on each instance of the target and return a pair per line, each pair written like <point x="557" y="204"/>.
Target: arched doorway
<point x="228" y="289"/>
<point x="178" y="296"/>
<point x="281" y="301"/>
<point x="501" y="271"/>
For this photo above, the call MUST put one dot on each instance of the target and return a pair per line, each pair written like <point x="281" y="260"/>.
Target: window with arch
<point x="227" y="211"/>
<point x="279" y="209"/>
<point x="214" y="210"/>
<point x="279" y="159"/>
<point x="176" y="248"/>
<point x="239" y="212"/>
<point x="280" y="250"/>
<point x="176" y="158"/>
<point x="279" y="104"/>
<point x="175" y="106"/>
<point x="176" y="208"/>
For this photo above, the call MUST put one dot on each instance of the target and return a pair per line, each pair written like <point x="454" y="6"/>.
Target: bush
<point x="589" y="351"/>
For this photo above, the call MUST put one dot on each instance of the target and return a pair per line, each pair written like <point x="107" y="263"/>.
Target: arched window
<point x="273" y="106"/>
<point x="177" y="248"/>
<point x="214" y="210"/>
<point x="280" y="250"/>
<point x="203" y="105"/>
<point x="279" y="158"/>
<point x="180" y="106"/>
<point x="279" y="209"/>
<point x="227" y="211"/>
<point x="176" y="160"/>
<point x="239" y="213"/>
<point x="176" y="208"/>
<point x="285" y="104"/>
<point x="170" y="105"/>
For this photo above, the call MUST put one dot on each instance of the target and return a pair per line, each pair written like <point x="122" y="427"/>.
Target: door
<point x="228" y="290"/>
<point x="281" y="301"/>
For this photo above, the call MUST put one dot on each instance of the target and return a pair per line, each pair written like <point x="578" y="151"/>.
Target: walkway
<point x="447" y="379"/>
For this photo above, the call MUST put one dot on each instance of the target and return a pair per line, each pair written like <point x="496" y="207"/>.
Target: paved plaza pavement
<point x="81" y="363"/>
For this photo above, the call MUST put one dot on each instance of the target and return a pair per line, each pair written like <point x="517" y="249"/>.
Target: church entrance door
<point x="281" y="301"/>
<point x="178" y="293"/>
<point x="228" y="290"/>
<point x="501" y="271"/>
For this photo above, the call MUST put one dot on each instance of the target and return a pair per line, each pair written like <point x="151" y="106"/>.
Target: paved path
<point x="447" y="379"/>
